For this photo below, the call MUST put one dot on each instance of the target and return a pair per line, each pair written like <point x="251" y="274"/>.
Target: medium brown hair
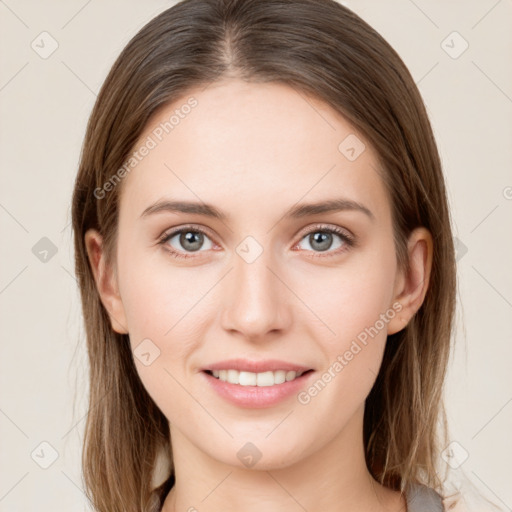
<point x="323" y="49"/>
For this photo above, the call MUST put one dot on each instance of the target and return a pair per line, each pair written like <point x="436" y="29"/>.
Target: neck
<point x="332" y="479"/>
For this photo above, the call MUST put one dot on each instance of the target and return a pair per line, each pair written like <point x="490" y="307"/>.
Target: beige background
<point x="44" y="106"/>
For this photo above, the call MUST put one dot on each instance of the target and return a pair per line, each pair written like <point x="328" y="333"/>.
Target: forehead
<point x="251" y="145"/>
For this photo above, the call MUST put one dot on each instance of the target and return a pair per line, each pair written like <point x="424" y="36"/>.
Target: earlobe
<point x="412" y="288"/>
<point x="105" y="281"/>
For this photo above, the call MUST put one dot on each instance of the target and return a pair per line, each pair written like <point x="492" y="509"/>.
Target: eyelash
<point x="349" y="240"/>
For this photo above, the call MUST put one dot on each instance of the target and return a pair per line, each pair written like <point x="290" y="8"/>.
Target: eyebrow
<point x="296" y="212"/>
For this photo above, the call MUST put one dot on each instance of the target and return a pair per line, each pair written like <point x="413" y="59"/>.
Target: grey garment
<point x="421" y="498"/>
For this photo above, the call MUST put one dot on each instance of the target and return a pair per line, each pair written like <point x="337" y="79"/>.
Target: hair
<point x="322" y="49"/>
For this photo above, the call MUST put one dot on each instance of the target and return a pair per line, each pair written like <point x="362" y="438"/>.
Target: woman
<point x="266" y="265"/>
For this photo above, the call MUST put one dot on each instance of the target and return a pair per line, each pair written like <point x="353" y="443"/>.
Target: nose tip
<point x="256" y="304"/>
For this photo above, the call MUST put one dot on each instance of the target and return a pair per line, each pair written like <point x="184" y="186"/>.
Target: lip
<point x="246" y="365"/>
<point x="257" y="397"/>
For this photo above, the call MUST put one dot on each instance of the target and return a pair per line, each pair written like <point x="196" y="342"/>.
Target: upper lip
<point x="246" y="365"/>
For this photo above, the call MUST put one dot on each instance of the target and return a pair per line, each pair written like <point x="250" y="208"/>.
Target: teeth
<point x="256" y="379"/>
<point x="233" y="376"/>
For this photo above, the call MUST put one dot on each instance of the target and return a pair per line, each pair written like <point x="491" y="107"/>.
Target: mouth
<point x="261" y="379"/>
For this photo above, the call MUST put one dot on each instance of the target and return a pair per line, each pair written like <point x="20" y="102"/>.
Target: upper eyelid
<point x="326" y="227"/>
<point x="178" y="229"/>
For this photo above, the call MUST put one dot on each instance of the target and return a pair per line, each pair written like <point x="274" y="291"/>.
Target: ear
<point x="411" y="288"/>
<point x="106" y="281"/>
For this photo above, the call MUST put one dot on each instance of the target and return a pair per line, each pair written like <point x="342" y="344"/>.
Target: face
<point x="266" y="285"/>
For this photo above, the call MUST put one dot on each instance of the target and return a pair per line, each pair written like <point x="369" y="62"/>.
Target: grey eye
<point x="322" y="240"/>
<point x="190" y="240"/>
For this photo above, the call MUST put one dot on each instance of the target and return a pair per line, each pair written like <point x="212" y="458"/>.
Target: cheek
<point x="166" y="319"/>
<point x="164" y="331"/>
<point x="350" y="298"/>
<point x="160" y="300"/>
<point x="352" y="357"/>
<point x="359" y="304"/>
<point x="354" y="303"/>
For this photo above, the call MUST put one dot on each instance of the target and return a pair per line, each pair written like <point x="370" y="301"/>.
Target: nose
<point x="257" y="300"/>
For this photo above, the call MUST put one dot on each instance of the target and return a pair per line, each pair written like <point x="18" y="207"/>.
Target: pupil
<point x="321" y="240"/>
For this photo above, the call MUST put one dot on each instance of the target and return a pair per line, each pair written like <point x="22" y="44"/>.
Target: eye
<point x="191" y="239"/>
<point x="320" y="239"/>
<point x="323" y="238"/>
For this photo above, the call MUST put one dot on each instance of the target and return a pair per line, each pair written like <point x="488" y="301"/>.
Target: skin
<point x="254" y="151"/>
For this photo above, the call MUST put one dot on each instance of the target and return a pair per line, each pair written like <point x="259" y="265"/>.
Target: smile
<point x="243" y="378"/>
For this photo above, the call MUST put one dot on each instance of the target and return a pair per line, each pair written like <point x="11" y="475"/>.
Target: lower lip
<point x="257" y="396"/>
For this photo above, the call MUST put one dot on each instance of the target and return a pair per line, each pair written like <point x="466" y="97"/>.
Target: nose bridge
<point x="256" y="302"/>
